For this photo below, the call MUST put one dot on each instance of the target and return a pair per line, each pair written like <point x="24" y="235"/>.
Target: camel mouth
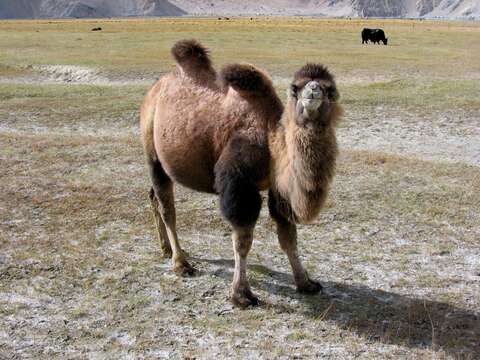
<point x="311" y="103"/>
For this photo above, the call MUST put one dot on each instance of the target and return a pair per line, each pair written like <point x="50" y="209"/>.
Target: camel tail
<point x="246" y="78"/>
<point x="191" y="55"/>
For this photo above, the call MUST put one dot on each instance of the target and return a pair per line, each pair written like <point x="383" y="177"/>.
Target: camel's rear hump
<point x="191" y="55"/>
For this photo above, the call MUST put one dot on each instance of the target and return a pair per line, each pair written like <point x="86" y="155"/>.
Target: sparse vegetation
<point x="397" y="248"/>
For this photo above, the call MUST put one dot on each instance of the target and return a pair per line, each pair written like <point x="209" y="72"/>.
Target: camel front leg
<point x="287" y="236"/>
<point x="241" y="295"/>
<point x="236" y="176"/>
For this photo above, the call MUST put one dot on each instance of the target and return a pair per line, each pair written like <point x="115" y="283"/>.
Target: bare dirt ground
<point x="397" y="247"/>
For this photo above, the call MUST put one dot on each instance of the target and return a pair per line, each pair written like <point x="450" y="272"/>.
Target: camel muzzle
<point x="311" y="96"/>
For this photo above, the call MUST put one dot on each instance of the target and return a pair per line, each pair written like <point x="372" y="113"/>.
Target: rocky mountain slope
<point x="353" y="8"/>
<point x="86" y="8"/>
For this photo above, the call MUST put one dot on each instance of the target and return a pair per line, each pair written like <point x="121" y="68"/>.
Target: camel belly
<point x="186" y="159"/>
<point x="188" y="172"/>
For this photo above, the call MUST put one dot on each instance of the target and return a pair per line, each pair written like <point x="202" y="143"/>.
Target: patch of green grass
<point x="64" y="106"/>
<point x="261" y="270"/>
<point x="143" y="44"/>
<point x="431" y="281"/>
<point x="66" y="92"/>
<point x="442" y="94"/>
<point x="12" y="71"/>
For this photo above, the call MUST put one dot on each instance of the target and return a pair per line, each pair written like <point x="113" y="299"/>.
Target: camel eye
<point x="331" y="93"/>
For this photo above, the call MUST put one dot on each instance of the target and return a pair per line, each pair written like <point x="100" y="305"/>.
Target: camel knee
<point x="242" y="240"/>
<point x="164" y="206"/>
<point x="287" y="231"/>
<point x="153" y="200"/>
<point x="167" y="212"/>
<point x="162" y="198"/>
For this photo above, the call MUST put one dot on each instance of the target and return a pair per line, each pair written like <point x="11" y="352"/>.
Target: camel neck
<point x="303" y="165"/>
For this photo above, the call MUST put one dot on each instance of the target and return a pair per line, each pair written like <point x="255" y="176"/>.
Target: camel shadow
<point x="376" y="315"/>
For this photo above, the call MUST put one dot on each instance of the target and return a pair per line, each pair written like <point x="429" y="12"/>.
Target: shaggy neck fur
<point x="303" y="164"/>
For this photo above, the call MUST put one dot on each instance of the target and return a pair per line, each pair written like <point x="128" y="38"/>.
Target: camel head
<point x="313" y="97"/>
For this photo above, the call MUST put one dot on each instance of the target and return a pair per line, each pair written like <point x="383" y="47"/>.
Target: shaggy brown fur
<point x="194" y="62"/>
<point x="304" y="148"/>
<point x="223" y="134"/>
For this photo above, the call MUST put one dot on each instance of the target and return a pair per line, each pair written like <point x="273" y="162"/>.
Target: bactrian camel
<point x="230" y="135"/>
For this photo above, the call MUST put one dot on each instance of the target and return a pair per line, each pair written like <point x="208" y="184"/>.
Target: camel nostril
<point x="313" y="85"/>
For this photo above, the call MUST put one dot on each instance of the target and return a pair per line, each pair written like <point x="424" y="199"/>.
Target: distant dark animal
<point x="97" y="29"/>
<point x="374" y="35"/>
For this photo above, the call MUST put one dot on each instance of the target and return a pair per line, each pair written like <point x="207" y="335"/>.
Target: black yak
<point x="374" y="35"/>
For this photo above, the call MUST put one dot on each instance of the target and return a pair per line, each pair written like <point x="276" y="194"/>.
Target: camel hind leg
<point x="165" y="218"/>
<point x="160" y="226"/>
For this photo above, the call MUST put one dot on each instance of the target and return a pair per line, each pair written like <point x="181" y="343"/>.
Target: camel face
<point x="313" y="100"/>
<point x="313" y="97"/>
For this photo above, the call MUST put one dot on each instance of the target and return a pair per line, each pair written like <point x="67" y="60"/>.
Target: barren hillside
<point x="86" y="8"/>
<point x="353" y="8"/>
<point x="331" y="8"/>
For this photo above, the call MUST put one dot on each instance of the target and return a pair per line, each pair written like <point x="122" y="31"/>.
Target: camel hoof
<point x="184" y="269"/>
<point x="309" y="287"/>
<point x="244" y="299"/>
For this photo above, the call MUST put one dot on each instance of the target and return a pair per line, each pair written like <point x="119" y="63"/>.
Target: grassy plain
<point x="397" y="248"/>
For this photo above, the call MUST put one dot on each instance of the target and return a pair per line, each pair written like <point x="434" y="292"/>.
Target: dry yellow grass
<point x="279" y="44"/>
